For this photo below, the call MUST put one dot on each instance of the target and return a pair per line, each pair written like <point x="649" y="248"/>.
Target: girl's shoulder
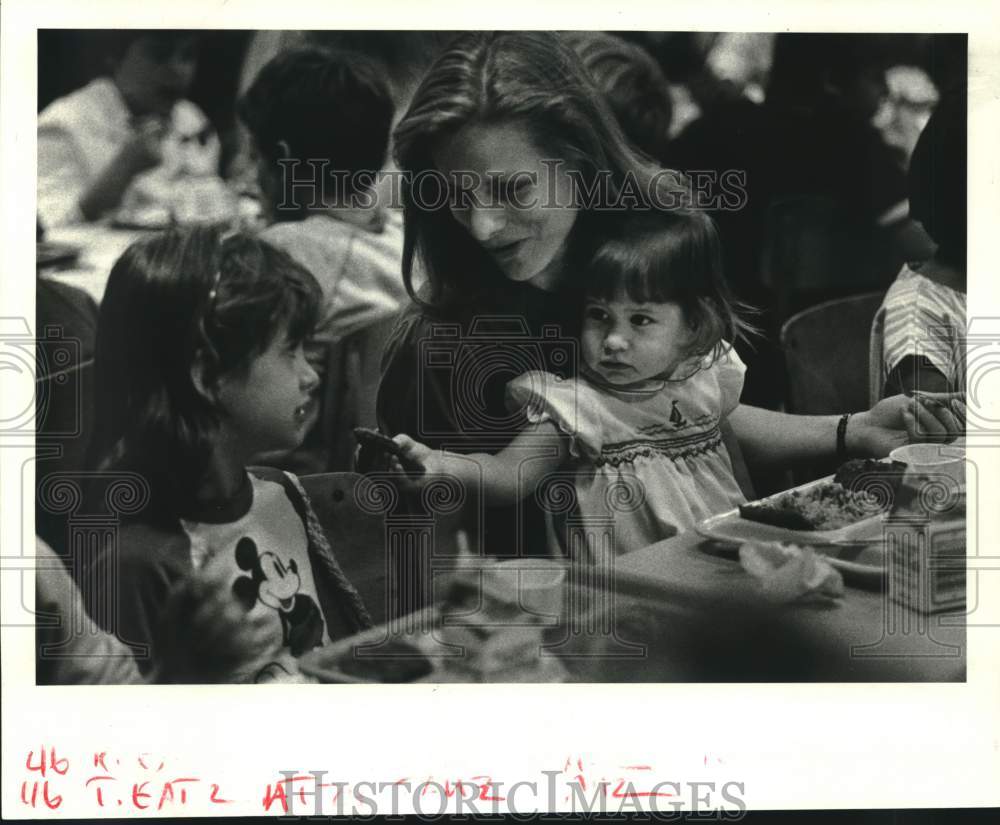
<point x="578" y="409"/>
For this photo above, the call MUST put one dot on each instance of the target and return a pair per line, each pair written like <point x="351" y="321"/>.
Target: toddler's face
<point x="626" y="342"/>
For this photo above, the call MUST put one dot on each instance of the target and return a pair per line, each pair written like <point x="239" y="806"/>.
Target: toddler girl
<point x="200" y="367"/>
<point x="640" y="425"/>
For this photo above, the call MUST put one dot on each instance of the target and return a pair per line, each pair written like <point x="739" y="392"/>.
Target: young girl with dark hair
<point x="200" y="367"/>
<point x="641" y="422"/>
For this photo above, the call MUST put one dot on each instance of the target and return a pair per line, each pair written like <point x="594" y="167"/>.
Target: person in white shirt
<point x="127" y="139"/>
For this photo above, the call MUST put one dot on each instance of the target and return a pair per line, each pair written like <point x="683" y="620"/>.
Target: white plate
<point x="732" y="527"/>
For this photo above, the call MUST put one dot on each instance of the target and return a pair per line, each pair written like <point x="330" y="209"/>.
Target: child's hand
<point x="415" y="461"/>
<point x="208" y="635"/>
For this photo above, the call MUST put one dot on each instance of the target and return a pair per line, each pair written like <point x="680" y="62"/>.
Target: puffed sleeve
<point x="569" y="404"/>
<point x="730" y="371"/>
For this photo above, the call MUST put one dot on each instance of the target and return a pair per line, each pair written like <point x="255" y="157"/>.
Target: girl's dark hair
<point x="174" y="299"/>
<point x="937" y="178"/>
<point x="673" y="257"/>
<point x="534" y="80"/>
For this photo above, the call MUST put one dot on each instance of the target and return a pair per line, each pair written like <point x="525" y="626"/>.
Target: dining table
<point x="685" y="610"/>
<point x="95" y="248"/>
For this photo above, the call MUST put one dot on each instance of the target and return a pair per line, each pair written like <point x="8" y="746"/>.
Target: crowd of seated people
<point x="210" y="343"/>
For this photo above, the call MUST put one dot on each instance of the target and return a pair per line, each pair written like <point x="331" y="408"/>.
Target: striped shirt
<point x="920" y="318"/>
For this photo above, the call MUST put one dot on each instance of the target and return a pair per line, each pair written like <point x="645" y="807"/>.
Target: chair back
<point x="356" y="535"/>
<point x="826" y="355"/>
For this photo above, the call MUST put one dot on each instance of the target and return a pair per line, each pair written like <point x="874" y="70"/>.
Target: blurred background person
<point x="633" y="86"/>
<point x="128" y="140"/>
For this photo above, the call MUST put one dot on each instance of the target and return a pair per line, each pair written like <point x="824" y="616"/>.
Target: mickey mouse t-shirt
<point x="271" y="555"/>
<point x="266" y="555"/>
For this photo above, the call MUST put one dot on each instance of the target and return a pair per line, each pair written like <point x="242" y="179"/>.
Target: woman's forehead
<point x="488" y="147"/>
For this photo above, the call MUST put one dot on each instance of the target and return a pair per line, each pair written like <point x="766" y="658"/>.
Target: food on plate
<point x="394" y="661"/>
<point x="870" y="475"/>
<point x="824" y="506"/>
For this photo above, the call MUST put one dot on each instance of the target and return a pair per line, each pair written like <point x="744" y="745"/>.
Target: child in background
<point x="199" y="367"/>
<point x="642" y="421"/>
<point x="918" y="337"/>
<point x="129" y="140"/>
<point x="320" y="123"/>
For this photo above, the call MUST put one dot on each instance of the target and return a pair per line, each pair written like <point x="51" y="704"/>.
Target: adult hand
<point x="903" y="419"/>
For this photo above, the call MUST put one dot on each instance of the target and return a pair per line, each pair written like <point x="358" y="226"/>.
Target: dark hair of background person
<point x="633" y="86"/>
<point x="404" y="55"/>
<point x="324" y="105"/>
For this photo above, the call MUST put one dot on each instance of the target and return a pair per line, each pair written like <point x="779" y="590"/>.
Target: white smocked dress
<point x="648" y="462"/>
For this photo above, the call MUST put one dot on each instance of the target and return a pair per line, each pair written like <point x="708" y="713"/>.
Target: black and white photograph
<point x="374" y="359"/>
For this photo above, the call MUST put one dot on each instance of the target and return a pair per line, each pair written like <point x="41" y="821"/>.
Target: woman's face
<point x="517" y="204"/>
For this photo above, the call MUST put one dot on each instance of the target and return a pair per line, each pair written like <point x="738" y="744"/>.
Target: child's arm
<point x="509" y="476"/>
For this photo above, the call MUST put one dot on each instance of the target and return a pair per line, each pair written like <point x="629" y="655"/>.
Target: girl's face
<point x="626" y="342"/>
<point x="271" y="405"/>
<point x="519" y="209"/>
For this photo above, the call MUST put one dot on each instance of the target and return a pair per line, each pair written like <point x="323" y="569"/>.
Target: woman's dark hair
<point x="938" y="187"/>
<point x="534" y="80"/>
<point x="327" y="106"/>
<point x="174" y="299"/>
<point x="672" y="257"/>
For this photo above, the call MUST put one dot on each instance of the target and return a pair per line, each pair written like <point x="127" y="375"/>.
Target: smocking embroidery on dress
<point x="625" y="452"/>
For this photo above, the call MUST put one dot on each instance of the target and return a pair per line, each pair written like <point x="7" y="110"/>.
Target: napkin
<point x="789" y="573"/>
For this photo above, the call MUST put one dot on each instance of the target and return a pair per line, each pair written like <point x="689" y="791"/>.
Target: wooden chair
<point x="826" y="355"/>
<point x="356" y="536"/>
<point x="826" y="358"/>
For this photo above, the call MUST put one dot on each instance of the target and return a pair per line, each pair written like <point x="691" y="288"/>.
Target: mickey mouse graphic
<point x="276" y="585"/>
